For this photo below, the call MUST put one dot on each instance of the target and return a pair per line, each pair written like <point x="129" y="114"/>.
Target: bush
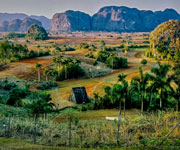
<point x="6" y="85"/>
<point x="73" y="71"/>
<point x="90" y="55"/>
<point x="144" y="62"/>
<point x="102" y="56"/>
<point x="116" y="62"/>
<point x="15" y="95"/>
<point x="46" y="85"/>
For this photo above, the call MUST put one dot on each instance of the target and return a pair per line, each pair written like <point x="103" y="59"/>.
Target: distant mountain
<point x="71" y="21"/>
<point x="27" y="22"/>
<point x="18" y="25"/>
<point x="112" y="18"/>
<point x="13" y="16"/>
<point x="46" y="23"/>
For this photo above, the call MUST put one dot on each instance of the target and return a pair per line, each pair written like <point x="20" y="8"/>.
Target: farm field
<point x="146" y="129"/>
<point x="25" y="69"/>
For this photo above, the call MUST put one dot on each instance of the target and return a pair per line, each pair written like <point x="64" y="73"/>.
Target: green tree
<point x="38" y="67"/>
<point x="160" y="80"/>
<point x="46" y="73"/>
<point x="143" y="83"/>
<point x="144" y="62"/>
<point x="40" y="105"/>
<point x="176" y="79"/>
<point x="123" y="92"/>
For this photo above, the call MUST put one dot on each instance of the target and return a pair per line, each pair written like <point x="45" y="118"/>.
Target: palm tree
<point x="38" y="67"/>
<point x="176" y="79"/>
<point x="160" y="79"/>
<point x="58" y="61"/>
<point x="40" y="104"/>
<point x="122" y="90"/>
<point x="112" y="55"/>
<point x="46" y="73"/>
<point x="53" y="73"/>
<point x="142" y="81"/>
<point x="65" y="62"/>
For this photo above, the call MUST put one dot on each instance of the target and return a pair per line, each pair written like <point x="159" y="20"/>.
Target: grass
<point x="96" y="114"/>
<point x="18" y="144"/>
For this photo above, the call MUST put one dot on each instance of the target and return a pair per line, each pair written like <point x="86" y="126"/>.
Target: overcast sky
<point x="49" y="7"/>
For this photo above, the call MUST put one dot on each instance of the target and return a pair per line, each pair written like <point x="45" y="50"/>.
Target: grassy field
<point x="15" y="144"/>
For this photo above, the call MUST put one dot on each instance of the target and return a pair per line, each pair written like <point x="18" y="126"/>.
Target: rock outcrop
<point x="36" y="32"/>
<point x="14" y="25"/>
<point x="124" y="19"/>
<point x="4" y="26"/>
<point x="27" y="22"/>
<point x="112" y="18"/>
<point x="71" y="21"/>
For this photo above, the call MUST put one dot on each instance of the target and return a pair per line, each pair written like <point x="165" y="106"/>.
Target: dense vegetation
<point x="149" y="92"/>
<point x="10" y="52"/>
<point x="36" y="32"/>
<point x="13" y="35"/>
<point x="63" y="69"/>
<point x="165" y="42"/>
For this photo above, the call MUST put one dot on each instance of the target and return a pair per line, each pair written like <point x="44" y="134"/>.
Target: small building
<point x="79" y="96"/>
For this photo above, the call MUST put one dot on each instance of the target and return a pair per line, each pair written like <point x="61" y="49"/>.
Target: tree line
<point x="10" y="52"/>
<point x="148" y="92"/>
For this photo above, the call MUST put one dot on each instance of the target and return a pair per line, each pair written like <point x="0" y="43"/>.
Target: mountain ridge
<point x="116" y="19"/>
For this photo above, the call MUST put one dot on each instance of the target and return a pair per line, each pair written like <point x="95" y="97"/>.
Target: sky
<point x="49" y="7"/>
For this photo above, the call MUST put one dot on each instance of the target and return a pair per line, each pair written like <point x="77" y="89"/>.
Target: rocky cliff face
<point x="114" y="18"/>
<point x="14" y="25"/>
<point x="71" y="21"/>
<point x="27" y="22"/>
<point x="117" y="19"/>
<point x="4" y="26"/>
<point x="46" y="23"/>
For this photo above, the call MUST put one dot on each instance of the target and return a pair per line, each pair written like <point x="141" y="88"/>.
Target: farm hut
<point x="79" y="96"/>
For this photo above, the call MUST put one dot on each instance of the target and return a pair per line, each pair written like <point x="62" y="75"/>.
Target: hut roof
<point x="80" y="95"/>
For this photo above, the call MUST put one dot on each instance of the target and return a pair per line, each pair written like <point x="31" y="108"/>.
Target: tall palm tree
<point x="65" y="62"/>
<point x="38" y="67"/>
<point x="58" y="61"/>
<point x="53" y="74"/>
<point x="123" y="89"/>
<point x="160" y="79"/>
<point x="40" y="105"/>
<point x="176" y="79"/>
<point x="113" y="55"/>
<point x="142" y="82"/>
<point x="46" y="73"/>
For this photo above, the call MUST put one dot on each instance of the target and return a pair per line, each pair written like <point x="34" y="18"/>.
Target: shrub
<point x="116" y="62"/>
<point x="46" y="85"/>
<point x="102" y="56"/>
<point x="143" y="61"/>
<point x="73" y="71"/>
